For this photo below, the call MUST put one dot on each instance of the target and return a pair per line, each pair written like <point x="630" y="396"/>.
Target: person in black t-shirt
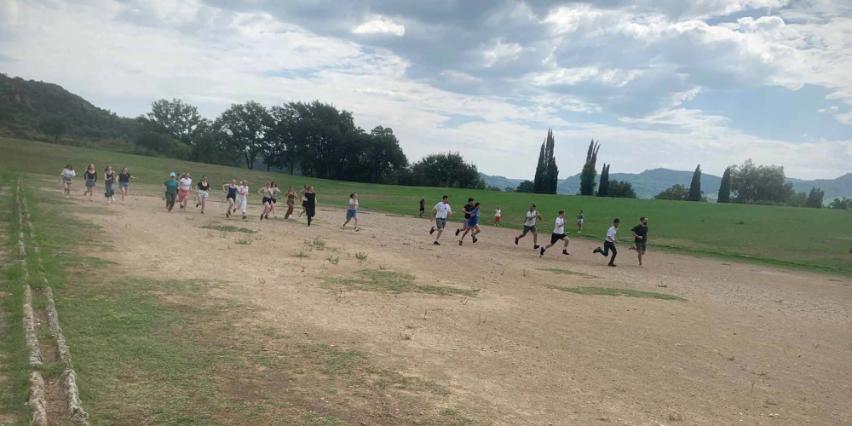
<point x="640" y="237"/>
<point x="466" y="209"/>
<point x="422" y="206"/>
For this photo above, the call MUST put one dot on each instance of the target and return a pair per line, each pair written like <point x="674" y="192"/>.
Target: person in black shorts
<point x="640" y="237"/>
<point x="466" y="209"/>
<point x="422" y="206"/>
<point x="558" y="235"/>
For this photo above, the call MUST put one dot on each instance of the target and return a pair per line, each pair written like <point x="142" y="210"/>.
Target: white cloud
<point x="499" y="52"/>
<point x="380" y="25"/>
<point x="574" y="76"/>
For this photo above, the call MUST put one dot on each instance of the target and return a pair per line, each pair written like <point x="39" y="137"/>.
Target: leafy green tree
<point x="815" y="197"/>
<point x="176" y="118"/>
<point x="526" y="186"/>
<point x="725" y="187"/>
<point x="54" y="126"/>
<point x="244" y="128"/>
<point x="760" y="184"/>
<point x="446" y="170"/>
<point x="619" y="189"/>
<point x="588" y="174"/>
<point x="695" y="193"/>
<point x="675" y="192"/>
<point x="841" y="203"/>
<point x="160" y="144"/>
<point x="208" y="147"/>
<point x="603" y="186"/>
<point x="546" y="173"/>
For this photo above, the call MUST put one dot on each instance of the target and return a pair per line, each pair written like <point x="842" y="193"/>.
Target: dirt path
<point x="749" y="344"/>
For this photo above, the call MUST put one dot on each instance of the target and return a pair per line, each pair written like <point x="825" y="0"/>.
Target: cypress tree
<point x="603" y="186"/>
<point x="695" y="185"/>
<point x="539" y="171"/>
<point x="546" y="172"/>
<point x="588" y="174"/>
<point x="725" y="187"/>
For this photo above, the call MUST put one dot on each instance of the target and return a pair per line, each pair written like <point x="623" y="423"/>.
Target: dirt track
<point x="750" y="343"/>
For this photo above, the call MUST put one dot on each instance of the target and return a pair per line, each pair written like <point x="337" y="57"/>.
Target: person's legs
<point x="565" y="242"/>
<point x="609" y="246"/>
<point x="523" y="234"/>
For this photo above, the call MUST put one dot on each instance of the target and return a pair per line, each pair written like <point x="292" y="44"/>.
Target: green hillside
<point x="817" y="239"/>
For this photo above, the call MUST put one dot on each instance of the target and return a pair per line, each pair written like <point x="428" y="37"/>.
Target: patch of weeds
<point x="315" y="419"/>
<point x="334" y="260"/>
<point x="300" y="254"/>
<point x="396" y="282"/>
<point x="52" y="370"/>
<point x="569" y="272"/>
<point x="229" y="228"/>
<point x="244" y="242"/>
<point x="361" y="256"/>
<point x="454" y="417"/>
<point x="317" y="244"/>
<point x="605" y="291"/>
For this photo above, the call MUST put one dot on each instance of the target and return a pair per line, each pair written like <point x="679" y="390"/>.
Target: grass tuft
<point x="569" y="272"/>
<point x="229" y="228"/>
<point x="607" y="291"/>
<point x="396" y="282"/>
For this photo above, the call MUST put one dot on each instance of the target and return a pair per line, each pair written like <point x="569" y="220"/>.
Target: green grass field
<point x="815" y="239"/>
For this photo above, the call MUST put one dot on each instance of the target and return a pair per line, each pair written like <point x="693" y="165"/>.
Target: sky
<point x="659" y="83"/>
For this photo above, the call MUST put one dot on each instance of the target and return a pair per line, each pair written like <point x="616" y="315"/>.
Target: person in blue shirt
<point x="472" y="224"/>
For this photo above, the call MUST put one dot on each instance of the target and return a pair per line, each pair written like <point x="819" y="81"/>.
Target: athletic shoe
<point x="436" y="243"/>
<point x="261" y="217"/>
<point x="541" y="252"/>
<point x="611" y="264"/>
<point x="565" y="252"/>
<point x="516" y="240"/>
<point x="460" y="242"/>
<point x="432" y="231"/>
<point x="457" y="232"/>
<point x="475" y="239"/>
<point x="535" y="247"/>
<point x="597" y="250"/>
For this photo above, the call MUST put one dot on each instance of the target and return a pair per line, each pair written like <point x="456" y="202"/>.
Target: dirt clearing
<point x="489" y="332"/>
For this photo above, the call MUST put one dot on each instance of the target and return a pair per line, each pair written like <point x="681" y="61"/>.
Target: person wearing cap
<point x="640" y="237"/>
<point x="171" y="188"/>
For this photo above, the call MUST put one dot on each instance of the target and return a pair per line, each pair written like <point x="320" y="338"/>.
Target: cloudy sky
<point x="660" y="83"/>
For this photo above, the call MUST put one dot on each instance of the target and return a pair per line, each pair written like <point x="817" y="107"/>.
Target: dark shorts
<point x="170" y="197"/>
<point x="556" y="237"/>
<point x="529" y="229"/>
<point x="231" y="197"/>
<point x="266" y="200"/>
<point x="274" y="200"/>
<point x="640" y="246"/>
<point x="351" y="214"/>
<point x="90" y="183"/>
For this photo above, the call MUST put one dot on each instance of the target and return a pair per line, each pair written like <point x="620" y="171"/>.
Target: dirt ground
<point x="749" y="344"/>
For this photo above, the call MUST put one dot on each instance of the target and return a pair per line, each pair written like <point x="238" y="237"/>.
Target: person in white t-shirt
<point x="352" y="211"/>
<point x="68" y="175"/>
<point x="242" y="197"/>
<point x="440" y="213"/>
<point x="529" y="226"/>
<point x="558" y="234"/>
<point x="609" y="242"/>
<point x="184" y="186"/>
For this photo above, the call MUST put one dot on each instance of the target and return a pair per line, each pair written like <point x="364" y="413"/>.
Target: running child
<point x="109" y="184"/>
<point x="640" y="237"/>
<point x="558" y="235"/>
<point x="68" y="175"/>
<point x="171" y="189"/>
<point x="352" y="211"/>
<point x="472" y="225"/>
<point x="291" y="202"/>
<point x="440" y="213"/>
<point x="242" y="197"/>
<point x="498" y="216"/>
<point x="124" y="182"/>
<point x="466" y="209"/>
<point x="231" y="198"/>
<point x="422" y="206"/>
<point x="183" y="189"/>
<point x="202" y="193"/>
<point x="609" y="242"/>
<point x="91" y="178"/>
<point x="529" y="226"/>
<point x="581" y="219"/>
<point x="310" y="204"/>
<point x="273" y="196"/>
<point x="304" y="200"/>
<point x="266" y="200"/>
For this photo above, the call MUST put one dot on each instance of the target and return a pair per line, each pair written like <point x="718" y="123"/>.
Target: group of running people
<point x="472" y="210"/>
<point x="90" y="176"/>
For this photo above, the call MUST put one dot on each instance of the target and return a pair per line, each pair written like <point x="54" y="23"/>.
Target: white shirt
<point x="68" y="173"/>
<point x="498" y="212"/>
<point x="531" y="218"/>
<point x="242" y="191"/>
<point x="559" y="226"/>
<point x="442" y="210"/>
<point x="353" y="204"/>
<point x="185" y="183"/>
<point x="610" y="234"/>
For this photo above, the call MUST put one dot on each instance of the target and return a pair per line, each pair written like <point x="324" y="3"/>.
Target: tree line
<point x="311" y="139"/>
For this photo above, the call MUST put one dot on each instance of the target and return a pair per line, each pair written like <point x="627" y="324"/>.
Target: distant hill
<point x="651" y="182"/>
<point x="35" y="109"/>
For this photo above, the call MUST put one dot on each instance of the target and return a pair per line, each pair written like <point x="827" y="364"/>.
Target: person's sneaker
<point x="541" y="252"/>
<point x="611" y="264"/>
<point x="535" y="247"/>
<point x="516" y="240"/>
<point x="436" y="243"/>
<point x="457" y="232"/>
<point x="475" y="239"/>
<point x="261" y="217"/>
<point x="460" y="242"/>
<point x="565" y="252"/>
<point x="432" y="231"/>
<point x="597" y="250"/>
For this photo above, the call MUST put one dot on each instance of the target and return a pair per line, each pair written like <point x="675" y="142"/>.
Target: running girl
<point x="202" y="194"/>
<point x="558" y="235"/>
<point x="266" y="193"/>
<point x="310" y="203"/>
<point x="91" y="177"/>
<point x="183" y="190"/>
<point x="231" y="189"/>
<point x="291" y="201"/>
<point x="304" y="200"/>
<point x="68" y="175"/>
<point x="171" y="189"/>
<point x="352" y="211"/>
<point x="109" y="184"/>
<point x="242" y="197"/>
<point x="274" y="196"/>
<point x="472" y="224"/>
<point x="124" y="182"/>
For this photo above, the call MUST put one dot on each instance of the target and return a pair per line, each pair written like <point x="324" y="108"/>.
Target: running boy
<point x="472" y="225"/>
<point x="440" y="212"/>
<point x="640" y="237"/>
<point x="609" y="242"/>
<point x="352" y="211"/>
<point x="529" y="226"/>
<point x="558" y="235"/>
<point x="466" y="209"/>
